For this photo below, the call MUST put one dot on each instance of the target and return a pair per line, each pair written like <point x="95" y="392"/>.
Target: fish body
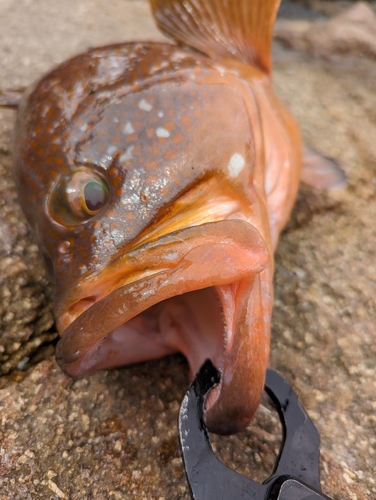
<point x="157" y="179"/>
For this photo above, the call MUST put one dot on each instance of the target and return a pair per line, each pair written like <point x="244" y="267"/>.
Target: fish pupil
<point x="95" y="196"/>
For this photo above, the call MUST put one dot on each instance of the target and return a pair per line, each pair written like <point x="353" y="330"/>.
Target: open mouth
<point x="192" y="323"/>
<point x="192" y="292"/>
<point x="189" y="279"/>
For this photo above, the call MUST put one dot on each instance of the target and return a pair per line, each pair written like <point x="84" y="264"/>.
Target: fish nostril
<point x="82" y="305"/>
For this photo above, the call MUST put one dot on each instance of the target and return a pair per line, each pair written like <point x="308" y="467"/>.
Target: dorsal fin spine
<point x="238" y="29"/>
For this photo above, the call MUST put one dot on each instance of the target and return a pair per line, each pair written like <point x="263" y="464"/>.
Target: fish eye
<point x="79" y="196"/>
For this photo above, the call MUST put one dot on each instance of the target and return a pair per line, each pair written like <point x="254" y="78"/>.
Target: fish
<point x="157" y="178"/>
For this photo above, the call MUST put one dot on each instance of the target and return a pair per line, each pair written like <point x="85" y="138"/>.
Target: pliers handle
<point x="296" y="474"/>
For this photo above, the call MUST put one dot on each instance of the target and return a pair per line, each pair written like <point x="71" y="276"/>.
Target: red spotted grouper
<point x="157" y="179"/>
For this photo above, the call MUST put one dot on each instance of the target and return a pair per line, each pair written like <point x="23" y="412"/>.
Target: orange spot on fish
<point x="154" y="150"/>
<point x="132" y="138"/>
<point x="170" y="125"/>
<point x="171" y="155"/>
<point x="150" y="165"/>
<point x="186" y="120"/>
<point x="178" y="138"/>
<point x="153" y="120"/>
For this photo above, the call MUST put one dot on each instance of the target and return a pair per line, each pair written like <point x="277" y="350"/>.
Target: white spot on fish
<point x="105" y="161"/>
<point x="160" y="114"/>
<point x="127" y="155"/>
<point x="111" y="149"/>
<point x="122" y="309"/>
<point x="171" y="256"/>
<point x="128" y="129"/>
<point x="178" y="56"/>
<point x="235" y="165"/>
<point x="162" y="132"/>
<point x="158" y="67"/>
<point x="221" y="69"/>
<point x="145" y="105"/>
<point x="82" y="269"/>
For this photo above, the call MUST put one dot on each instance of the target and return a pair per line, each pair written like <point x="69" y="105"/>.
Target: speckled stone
<point x="349" y="29"/>
<point x="26" y="322"/>
<point x="113" y="435"/>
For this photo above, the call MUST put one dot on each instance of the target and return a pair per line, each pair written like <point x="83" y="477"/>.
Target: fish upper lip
<point x="187" y="265"/>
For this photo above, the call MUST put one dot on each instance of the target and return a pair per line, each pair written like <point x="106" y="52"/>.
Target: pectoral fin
<point x="240" y="29"/>
<point x="321" y="172"/>
<point x="11" y="98"/>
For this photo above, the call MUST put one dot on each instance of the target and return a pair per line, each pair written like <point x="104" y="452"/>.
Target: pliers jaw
<point x="296" y="474"/>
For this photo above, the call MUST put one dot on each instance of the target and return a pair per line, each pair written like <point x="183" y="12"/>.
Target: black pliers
<point x="296" y="474"/>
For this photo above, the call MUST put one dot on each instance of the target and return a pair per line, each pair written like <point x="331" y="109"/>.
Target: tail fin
<point x="240" y="29"/>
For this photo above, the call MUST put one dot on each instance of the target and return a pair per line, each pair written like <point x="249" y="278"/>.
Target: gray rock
<point x="349" y="32"/>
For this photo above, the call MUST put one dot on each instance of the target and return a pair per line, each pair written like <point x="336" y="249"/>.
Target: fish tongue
<point x="230" y="406"/>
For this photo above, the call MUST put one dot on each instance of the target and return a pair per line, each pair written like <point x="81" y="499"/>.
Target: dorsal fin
<point x="240" y="29"/>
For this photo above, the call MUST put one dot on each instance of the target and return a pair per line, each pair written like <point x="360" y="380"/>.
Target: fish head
<point x="139" y="166"/>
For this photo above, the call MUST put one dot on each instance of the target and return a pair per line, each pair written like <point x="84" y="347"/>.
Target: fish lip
<point x="228" y="237"/>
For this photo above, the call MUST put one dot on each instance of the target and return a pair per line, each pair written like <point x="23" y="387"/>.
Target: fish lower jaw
<point x="96" y="294"/>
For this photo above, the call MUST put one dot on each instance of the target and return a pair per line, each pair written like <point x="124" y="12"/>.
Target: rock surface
<point x="349" y="32"/>
<point x="114" y="435"/>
